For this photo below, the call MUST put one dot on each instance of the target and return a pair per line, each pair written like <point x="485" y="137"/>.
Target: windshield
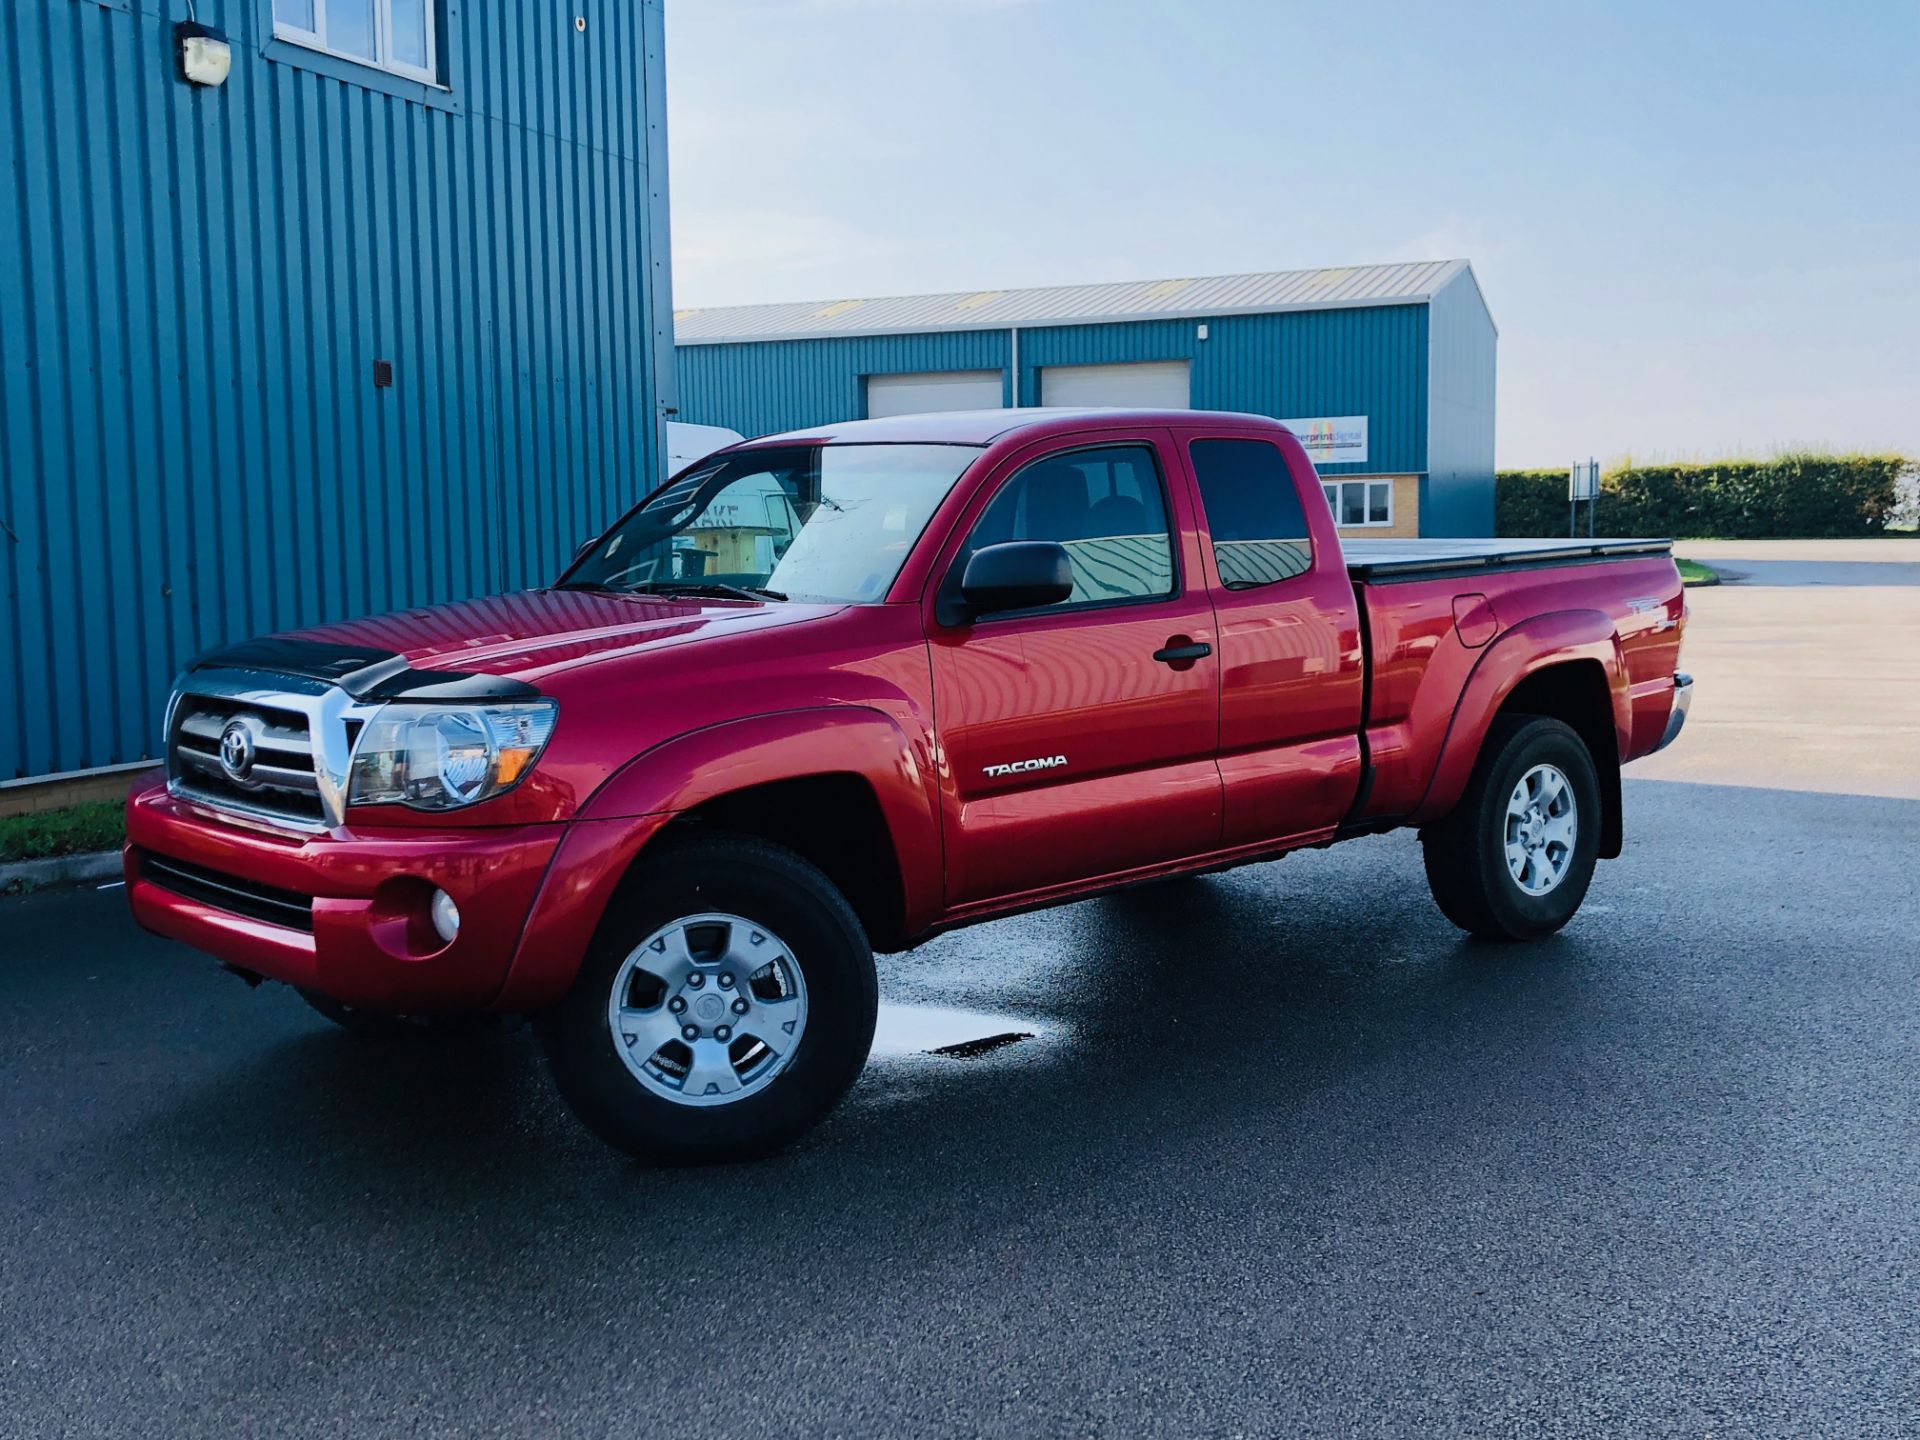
<point x="807" y="522"/>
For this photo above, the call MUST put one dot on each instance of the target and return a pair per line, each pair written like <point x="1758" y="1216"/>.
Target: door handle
<point x="1181" y="651"/>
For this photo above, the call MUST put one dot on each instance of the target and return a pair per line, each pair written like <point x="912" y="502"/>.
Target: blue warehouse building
<point x="308" y="309"/>
<point x="1386" y="371"/>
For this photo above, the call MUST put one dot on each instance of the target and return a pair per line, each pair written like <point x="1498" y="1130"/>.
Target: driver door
<point x="1079" y="738"/>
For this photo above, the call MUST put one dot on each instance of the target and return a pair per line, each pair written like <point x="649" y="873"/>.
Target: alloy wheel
<point x="1542" y="821"/>
<point x="708" y="1009"/>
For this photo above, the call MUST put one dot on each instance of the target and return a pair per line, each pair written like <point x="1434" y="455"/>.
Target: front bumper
<point x="365" y="938"/>
<point x="1677" y="713"/>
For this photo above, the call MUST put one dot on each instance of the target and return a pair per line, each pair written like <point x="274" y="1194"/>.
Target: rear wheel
<point x="727" y="1003"/>
<point x="1514" y="859"/>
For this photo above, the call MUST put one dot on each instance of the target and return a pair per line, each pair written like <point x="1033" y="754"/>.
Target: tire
<point x="707" y="913"/>
<point x="1467" y="853"/>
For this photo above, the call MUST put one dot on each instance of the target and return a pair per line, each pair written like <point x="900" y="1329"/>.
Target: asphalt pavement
<point x="1283" y="1155"/>
<point x="1808" y="668"/>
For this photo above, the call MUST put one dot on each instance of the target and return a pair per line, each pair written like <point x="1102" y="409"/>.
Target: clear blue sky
<point x="1697" y="224"/>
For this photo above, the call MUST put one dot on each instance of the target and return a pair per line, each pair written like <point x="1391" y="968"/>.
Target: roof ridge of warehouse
<point x="1255" y="292"/>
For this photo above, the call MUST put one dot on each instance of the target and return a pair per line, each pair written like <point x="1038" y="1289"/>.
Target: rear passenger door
<point x="1078" y="738"/>
<point x="1291" y="669"/>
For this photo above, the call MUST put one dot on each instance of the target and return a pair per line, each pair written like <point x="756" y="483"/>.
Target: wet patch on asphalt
<point x="986" y="1045"/>
<point x="937" y="1030"/>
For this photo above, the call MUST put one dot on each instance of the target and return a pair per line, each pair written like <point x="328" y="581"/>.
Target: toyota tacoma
<point x="829" y="693"/>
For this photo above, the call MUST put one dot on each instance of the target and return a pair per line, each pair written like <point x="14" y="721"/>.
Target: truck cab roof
<point x="983" y="427"/>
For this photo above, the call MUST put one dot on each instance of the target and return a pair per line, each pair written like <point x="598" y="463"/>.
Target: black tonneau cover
<point x="1390" y="560"/>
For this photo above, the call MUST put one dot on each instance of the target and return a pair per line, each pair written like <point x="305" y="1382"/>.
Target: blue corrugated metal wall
<point x="770" y="386"/>
<point x="1368" y="360"/>
<point x="194" y="287"/>
<point x="1361" y="361"/>
<point x="1457" y="496"/>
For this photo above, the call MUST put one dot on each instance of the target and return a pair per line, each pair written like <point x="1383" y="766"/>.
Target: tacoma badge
<point x="1020" y="767"/>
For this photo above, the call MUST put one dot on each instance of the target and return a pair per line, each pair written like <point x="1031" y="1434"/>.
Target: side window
<point x="1107" y="507"/>
<point x="1253" y="511"/>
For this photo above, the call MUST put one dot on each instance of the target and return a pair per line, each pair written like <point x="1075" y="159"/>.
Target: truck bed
<point x="1386" y="561"/>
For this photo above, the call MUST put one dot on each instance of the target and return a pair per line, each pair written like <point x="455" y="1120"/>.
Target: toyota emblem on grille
<point x="237" y="751"/>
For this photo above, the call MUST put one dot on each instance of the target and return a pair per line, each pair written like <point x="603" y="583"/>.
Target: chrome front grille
<point x="288" y="767"/>
<point x="272" y="774"/>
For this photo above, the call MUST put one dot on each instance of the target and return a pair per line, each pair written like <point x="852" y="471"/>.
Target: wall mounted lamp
<point x="205" y="56"/>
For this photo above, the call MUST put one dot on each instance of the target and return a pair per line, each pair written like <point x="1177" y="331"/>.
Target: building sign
<point x="1333" y="439"/>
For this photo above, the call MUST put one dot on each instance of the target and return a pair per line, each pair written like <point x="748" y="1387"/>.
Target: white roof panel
<point x="1348" y="285"/>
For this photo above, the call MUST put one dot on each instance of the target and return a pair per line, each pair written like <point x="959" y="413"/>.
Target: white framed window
<point x="1360" y="502"/>
<point x="392" y="35"/>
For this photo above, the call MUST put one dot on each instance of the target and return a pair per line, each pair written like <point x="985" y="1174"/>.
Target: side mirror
<point x="1018" y="575"/>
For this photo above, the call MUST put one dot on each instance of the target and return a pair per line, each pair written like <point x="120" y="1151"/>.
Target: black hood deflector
<point x="363" y="672"/>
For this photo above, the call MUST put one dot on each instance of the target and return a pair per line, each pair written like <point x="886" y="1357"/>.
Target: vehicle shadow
<point x="1245" y="996"/>
<point x="1220" y="998"/>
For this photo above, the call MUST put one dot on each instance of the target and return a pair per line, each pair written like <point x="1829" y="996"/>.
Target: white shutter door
<point x="1154" y="385"/>
<point x="944" y="390"/>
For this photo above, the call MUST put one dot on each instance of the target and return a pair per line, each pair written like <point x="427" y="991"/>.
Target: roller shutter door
<point x="1154" y="385"/>
<point x="940" y="390"/>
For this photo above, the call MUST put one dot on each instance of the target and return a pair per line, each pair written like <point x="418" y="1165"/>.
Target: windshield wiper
<point x="705" y="587"/>
<point x="584" y="585"/>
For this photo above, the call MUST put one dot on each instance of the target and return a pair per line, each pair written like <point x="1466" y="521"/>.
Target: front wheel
<point x="1514" y="859"/>
<point x="727" y="1003"/>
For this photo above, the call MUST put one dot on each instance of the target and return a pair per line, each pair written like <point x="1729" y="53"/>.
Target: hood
<point x="499" y="646"/>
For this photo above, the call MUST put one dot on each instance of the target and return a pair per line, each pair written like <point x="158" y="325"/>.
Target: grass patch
<point x="76" y="830"/>
<point x="1692" y="572"/>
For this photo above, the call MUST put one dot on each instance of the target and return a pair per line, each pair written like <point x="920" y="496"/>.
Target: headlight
<point x="437" y="757"/>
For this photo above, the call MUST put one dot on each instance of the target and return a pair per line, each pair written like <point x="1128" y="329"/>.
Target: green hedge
<point x="95" y="825"/>
<point x="1790" y="496"/>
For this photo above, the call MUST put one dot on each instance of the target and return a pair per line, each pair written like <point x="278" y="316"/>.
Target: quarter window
<point x="393" y="35"/>
<point x="1253" y="512"/>
<point x="1360" y="502"/>
<point x="1107" y="507"/>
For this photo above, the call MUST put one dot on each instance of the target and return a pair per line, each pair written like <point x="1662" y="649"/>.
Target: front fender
<point x="790" y="745"/>
<point x="627" y="812"/>
<point x="1557" y="638"/>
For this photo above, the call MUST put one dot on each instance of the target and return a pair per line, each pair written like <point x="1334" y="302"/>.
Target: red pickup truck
<point x="832" y="692"/>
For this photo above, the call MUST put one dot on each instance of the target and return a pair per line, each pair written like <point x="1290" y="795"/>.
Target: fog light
<point x="446" y="916"/>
